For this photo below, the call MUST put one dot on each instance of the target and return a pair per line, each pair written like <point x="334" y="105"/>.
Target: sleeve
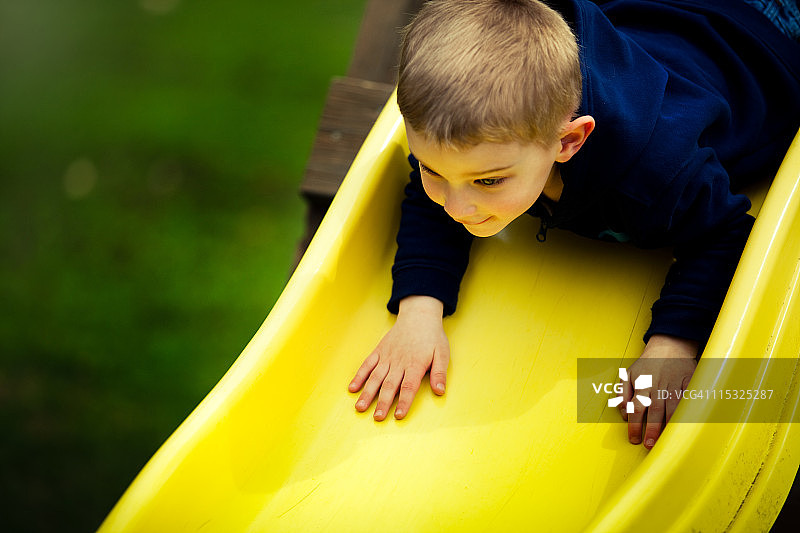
<point x="432" y="249"/>
<point x="708" y="227"/>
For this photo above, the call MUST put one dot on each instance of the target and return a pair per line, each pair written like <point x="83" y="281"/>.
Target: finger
<point x="635" y="420"/>
<point x="674" y="398"/>
<point x="627" y="394"/>
<point x="408" y="389"/>
<point x="441" y="359"/>
<point x="371" y="387"/>
<point x="388" y="391"/>
<point x="655" y="421"/>
<point x="670" y="405"/>
<point x="363" y="372"/>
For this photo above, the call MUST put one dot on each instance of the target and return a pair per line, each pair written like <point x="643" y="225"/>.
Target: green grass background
<point x="150" y="157"/>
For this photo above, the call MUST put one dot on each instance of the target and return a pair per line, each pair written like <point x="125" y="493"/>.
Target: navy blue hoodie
<point x="691" y="99"/>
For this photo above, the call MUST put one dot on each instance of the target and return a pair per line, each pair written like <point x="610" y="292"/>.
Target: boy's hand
<point x="415" y="343"/>
<point x="671" y="362"/>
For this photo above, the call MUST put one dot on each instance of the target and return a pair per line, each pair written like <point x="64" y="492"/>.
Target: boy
<point x="626" y="120"/>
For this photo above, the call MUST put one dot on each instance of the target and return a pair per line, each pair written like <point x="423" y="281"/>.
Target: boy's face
<point x="487" y="186"/>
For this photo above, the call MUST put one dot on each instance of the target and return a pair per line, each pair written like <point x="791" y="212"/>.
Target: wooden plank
<point x="353" y="104"/>
<point x="350" y="111"/>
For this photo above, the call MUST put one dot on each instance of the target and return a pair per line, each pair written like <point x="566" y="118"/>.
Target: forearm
<point x="697" y="283"/>
<point x="421" y="306"/>
<point x="669" y="347"/>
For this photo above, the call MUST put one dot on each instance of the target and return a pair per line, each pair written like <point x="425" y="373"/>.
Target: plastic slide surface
<point x="278" y="446"/>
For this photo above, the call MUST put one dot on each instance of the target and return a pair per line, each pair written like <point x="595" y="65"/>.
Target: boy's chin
<point x="488" y="229"/>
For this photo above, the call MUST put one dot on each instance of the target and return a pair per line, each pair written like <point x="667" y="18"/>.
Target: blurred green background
<point x="150" y="157"/>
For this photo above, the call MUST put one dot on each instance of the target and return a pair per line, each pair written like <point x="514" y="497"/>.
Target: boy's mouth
<point x="478" y="223"/>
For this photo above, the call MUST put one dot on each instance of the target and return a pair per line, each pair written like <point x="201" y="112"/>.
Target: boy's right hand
<point x="415" y="343"/>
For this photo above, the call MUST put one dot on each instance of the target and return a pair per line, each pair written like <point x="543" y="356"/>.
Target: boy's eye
<point x="485" y="182"/>
<point x="426" y="170"/>
<point x="489" y="182"/>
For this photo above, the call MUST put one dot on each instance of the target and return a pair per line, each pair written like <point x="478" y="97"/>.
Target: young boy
<point x="627" y="120"/>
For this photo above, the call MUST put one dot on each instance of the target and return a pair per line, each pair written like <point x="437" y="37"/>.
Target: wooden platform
<point x="350" y="110"/>
<point x="352" y="105"/>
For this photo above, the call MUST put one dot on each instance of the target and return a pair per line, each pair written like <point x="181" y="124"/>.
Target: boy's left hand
<point x="671" y="361"/>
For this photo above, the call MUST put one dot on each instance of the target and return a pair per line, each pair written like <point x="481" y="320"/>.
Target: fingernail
<point x="650" y="443"/>
<point x="361" y="404"/>
<point x="399" y="413"/>
<point x="378" y="413"/>
<point x="440" y="387"/>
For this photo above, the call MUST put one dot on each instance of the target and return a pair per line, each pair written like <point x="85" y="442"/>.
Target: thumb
<point x="441" y="358"/>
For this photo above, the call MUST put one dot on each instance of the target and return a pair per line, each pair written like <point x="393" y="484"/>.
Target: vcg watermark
<point x="746" y="389"/>
<point x="645" y="381"/>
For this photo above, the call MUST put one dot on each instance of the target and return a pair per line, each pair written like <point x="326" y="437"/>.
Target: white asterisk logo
<point x="645" y="381"/>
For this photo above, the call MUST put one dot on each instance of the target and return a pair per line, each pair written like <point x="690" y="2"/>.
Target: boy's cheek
<point x="433" y="192"/>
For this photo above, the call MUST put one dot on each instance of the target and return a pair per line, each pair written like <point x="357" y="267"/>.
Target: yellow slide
<point x="277" y="445"/>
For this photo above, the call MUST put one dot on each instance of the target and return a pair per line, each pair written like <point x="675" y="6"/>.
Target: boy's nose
<point x="459" y="207"/>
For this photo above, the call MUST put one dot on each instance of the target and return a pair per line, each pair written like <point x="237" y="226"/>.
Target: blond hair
<point x="474" y="71"/>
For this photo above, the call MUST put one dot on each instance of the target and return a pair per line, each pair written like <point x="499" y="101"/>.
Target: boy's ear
<point x="573" y="136"/>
